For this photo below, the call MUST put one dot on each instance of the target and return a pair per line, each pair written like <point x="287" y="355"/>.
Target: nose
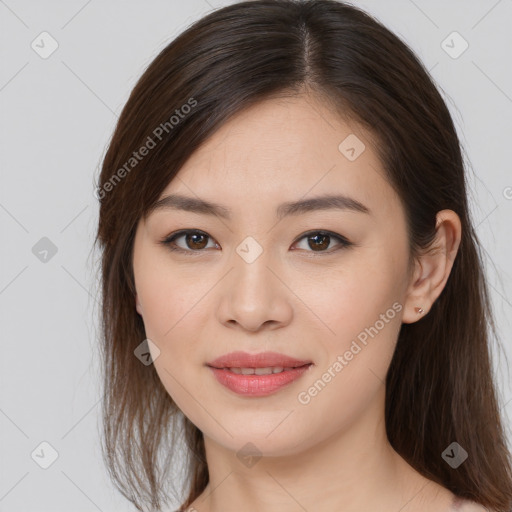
<point x="254" y="296"/>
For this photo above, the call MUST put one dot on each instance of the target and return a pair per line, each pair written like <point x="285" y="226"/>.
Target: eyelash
<point x="169" y="241"/>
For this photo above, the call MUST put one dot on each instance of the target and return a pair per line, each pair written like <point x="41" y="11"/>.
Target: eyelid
<point x="167" y="241"/>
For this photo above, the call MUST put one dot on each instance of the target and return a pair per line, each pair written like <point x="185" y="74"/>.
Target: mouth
<point x="269" y="370"/>
<point x="262" y="361"/>
<point x="258" y="374"/>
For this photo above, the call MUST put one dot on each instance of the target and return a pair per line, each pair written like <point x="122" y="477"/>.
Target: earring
<point x="419" y="310"/>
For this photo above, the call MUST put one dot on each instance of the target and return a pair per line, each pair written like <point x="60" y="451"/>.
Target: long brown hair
<point x="439" y="388"/>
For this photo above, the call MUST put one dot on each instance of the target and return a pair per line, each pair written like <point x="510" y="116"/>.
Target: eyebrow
<point x="325" y="202"/>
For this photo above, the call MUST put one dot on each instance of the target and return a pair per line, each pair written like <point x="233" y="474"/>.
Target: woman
<point x="292" y="284"/>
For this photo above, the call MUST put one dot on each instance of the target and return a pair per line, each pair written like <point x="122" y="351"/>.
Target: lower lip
<point x="257" y="385"/>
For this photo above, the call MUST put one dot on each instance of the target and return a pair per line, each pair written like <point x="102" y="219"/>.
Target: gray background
<point x="57" y="115"/>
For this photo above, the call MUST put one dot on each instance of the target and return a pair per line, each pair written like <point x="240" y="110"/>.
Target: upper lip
<point x="261" y="360"/>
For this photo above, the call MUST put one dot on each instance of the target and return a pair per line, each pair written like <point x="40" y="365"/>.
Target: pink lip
<point x="257" y="385"/>
<point x="261" y="360"/>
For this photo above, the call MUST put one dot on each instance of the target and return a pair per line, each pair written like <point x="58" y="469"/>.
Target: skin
<point x="331" y="453"/>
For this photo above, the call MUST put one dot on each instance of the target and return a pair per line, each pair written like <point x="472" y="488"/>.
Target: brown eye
<point x="319" y="241"/>
<point x="195" y="241"/>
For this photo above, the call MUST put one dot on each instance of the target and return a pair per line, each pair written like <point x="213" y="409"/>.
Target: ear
<point x="433" y="268"/>
<point x="137" y="305"/>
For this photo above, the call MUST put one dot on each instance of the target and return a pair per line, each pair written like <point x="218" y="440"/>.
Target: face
<point x="322" y="285"/>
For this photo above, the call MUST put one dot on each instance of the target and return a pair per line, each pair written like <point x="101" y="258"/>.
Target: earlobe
<point x="416" y="306"/>
<point x="138" y="307"/>
<point x="434" y="267"/>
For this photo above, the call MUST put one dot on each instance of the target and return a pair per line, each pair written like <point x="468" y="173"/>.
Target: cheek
<point x="345" y="302"/>
<point x="169" y="321"/>
<point x="167" y="296"/>
<point x="359" y="309"/>
<point x="354" y="373"/>
<point x="173" y="305"/>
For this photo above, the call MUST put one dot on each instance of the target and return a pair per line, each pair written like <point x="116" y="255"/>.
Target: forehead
<point x="285" y="149"/>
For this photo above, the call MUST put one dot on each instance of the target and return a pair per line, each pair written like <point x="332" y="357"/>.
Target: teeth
<point x="258" y="371"/>
<point x="263" y="371"/>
